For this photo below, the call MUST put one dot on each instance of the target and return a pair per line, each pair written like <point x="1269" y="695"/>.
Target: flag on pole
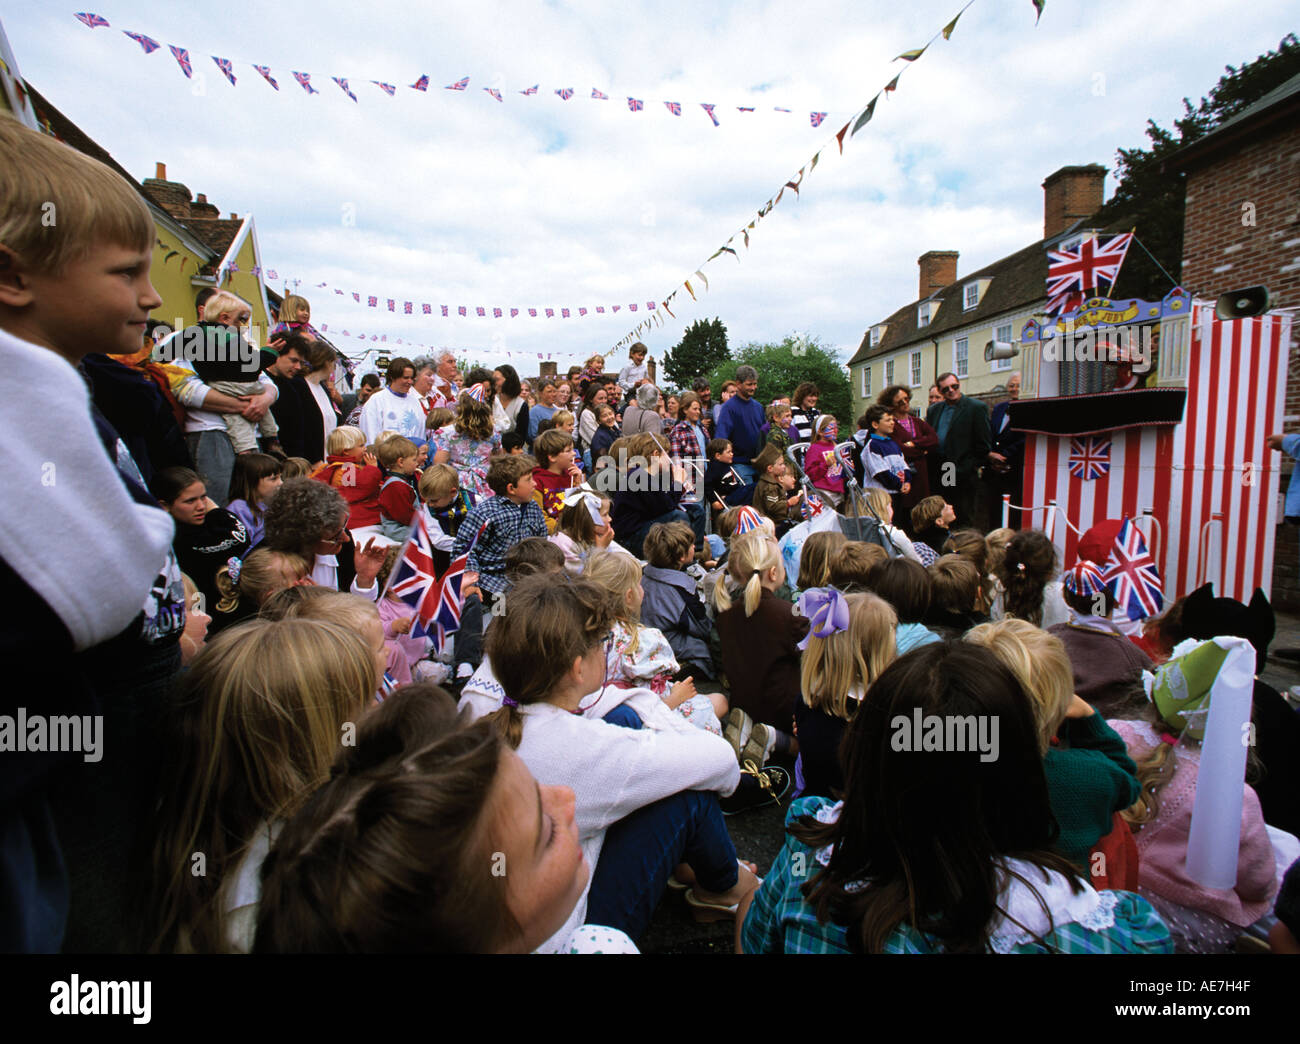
<point x="436" y="599"/>
<point x="1071" y="274"/>
<point x="1131" y="574"/>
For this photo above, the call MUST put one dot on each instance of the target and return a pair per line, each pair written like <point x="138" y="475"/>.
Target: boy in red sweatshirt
<point x="398" y="499"/>
<point x="555" y="472"/>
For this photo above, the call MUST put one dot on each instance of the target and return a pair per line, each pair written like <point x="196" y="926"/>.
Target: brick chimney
<point x="160" y="171"/>
<point x="201" y="208"/>
<point x="938" y="269"/>
<point x="172" y="196"/>
<point x="1071" y="194"/>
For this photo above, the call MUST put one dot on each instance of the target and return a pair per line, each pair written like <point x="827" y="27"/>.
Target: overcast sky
<point x="453" y="198"/>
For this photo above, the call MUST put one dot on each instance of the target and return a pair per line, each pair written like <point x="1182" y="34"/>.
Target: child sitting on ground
<point x="759" y="637"/>
<point x="851" y="642"/>
<point x="954" y="593"/>
<point x="640" y="656"/>
<point x="723" y="486"/>
<point x="253" y="482"/>
<point x="1090" y="776"/>
<point x="404" y="650"/>
<point x="822" y="464"/>
<point x="556" y="471"/>
<point x="930" y="521"/>
<point x="880" y="506"/>
<point x="246" y="584"/>
<point x="906" y="586"/>
<point x="439" y="489"/>
<point x="355" y="473"/>
<point x="671" y="602"/>
<point x="469" y="443"/>
<point x="296" y="467"/>
<point x="359" y="616"/>
<point x="583" y="527"/>
<point x="815" y="558"/>
<point x="399" y="457"/>
<point x="505" y="518"/>
<point x="850" y="568"/>
<point x="649" y="491"/>
<point x="774" y="492"/>
<point x="1025" y="578"/>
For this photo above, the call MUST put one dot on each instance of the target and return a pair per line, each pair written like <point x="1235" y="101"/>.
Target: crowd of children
<point x="624" y="684"/>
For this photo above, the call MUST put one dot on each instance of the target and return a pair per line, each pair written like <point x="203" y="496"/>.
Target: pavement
<point x="759" y="834"/>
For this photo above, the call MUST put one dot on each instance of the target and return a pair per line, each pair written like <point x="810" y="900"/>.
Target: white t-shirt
<point x="387" y="411"/>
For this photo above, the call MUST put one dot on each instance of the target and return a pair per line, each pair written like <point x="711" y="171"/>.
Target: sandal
<point x="709" y="913"/>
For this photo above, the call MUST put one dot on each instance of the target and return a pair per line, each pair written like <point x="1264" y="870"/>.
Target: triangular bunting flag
<point x="709" y="109"/>
<point x="703" y="279"/>
<point x="265" y="70"/>
<point x="599" y="95"/>
<point x="91" y="21"/>
<point x="387" y="88"/>
<point x="182" y="57"/>
<point x="148" y="45"/>
<point x="1038" y="6"/>
<point x="343" y="86"/>
<point x="494" y="93"/>
<point x="304" y="81"/>
<point x="459" y="85"/>
<point x="867" y="113"/>
<point x="912" y="55"/>
<point x="892" y="85"/>
<point x="947" y="29"/>
<point x="531" y="90"/>
<point x="815" y="118"/>
<point x="565" y="92"/>
<point x="839" y="137"/>
<point x="227" y="70"/>
<point x="674" y="107"/>
<point x="422" y="84"/>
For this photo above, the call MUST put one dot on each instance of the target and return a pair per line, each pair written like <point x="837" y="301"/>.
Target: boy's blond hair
<point x="344" y="438"/>
<point x="87" y="202"/>
<point x="390" y="451"/>
<point x="561" y="418"/>
<point x="1039" y="662"/>
<point x="437" y="481"/>
<point x="224" y="301"/>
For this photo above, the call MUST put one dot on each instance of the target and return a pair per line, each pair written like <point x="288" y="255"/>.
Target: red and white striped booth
<point x="1187" y="458"/>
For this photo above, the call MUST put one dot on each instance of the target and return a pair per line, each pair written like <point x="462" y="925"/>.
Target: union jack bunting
<point x="422" y="84"/>
<point x="265" y="70"/>
<point x="227" y="70"/>
<point x="147" y="44"/>
<point x="481" y="312"/>
<point x="427" y="309"/>
<point x="388" y="88"/>
<point x="532" y="312"/>
<point x="582" y="311"/>
<point x="650" y="306"/>
<point x="777" y="108"/>
<point x="392" y="305"/>
<point x="616" y="308"/>
<point x="599" y="95"/>
<point x="631" y="308"/>
<point x="531" y="90"/>
<point x="271" y="274"/>
<point x="565" y="92"/>
<point x="564" y="313"/>
<point x="674" y="107"/>
<point x="494" y="92"/>
<point x="744" y="108"/>
<point x="816" y="118"/>
<point x="182" y="57"/>
<point x="343" y="85"/>
<point x="496" y="313"/>
<point x="444" y="310"/>
<point x="304" y="81"/>
<point x="459" y="85"/>
<point x="1070" y="272"/>
<point x="91" y="21"/>
<point x="514" y="312"/>
<point x="709" y="109"/>
<point x="600" y="309"/>
<point x="1089" y="457"/>
<point x="635" y="104"/>
<point x="372" y="301"/>
<point x="460" y="310"/>
<point x="356" y="297"/>
<point x="550" y="313"/>
<point x="406" y="307"/>
<point x="1131" y="574"/>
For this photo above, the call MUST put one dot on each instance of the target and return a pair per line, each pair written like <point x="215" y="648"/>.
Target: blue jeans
<point x="641" y="850"/>
<point x="695" y="516"/>
<point x="214" y="459"/>
<point x="746" y="472"/>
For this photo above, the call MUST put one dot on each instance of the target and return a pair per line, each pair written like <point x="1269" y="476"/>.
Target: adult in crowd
<point x="310" y="518"/>
<point x="291" y="407"/>
<point x="397" y="407"/>
<point x="934" y="395"/>
<point x="740" y="422"/>
<point x="962" y="424"/>
<point x="545" y="408"/>
<point x="671" y="406"/>
<point x="319" y="381"/>
<point x="596" y="396"/>
<point x="700" y="386"/>
<point x="423" y="383"/>
<point x="687" y="443"/>
<point x="509" y="400"/>
<point x="355" y="401"/>
<point x="918" y="441"/>
<point x="446" y="386"/>
<point x="643" y="415"/>
<point x="1006" y="470"/>
<point x="804" y="411"/>
<point x="728" y="390"/>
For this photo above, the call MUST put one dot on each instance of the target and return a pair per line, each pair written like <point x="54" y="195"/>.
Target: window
<point x="1002" y="333"/>
<point x="889" y="373"/>
<point x="972" y="296"/>
<point x="866" y="382"/>
<point x="875" y="336"/>
<point x="960" y="355"/>
<point x="915" y="367"/>
<point x="925" y="312"/>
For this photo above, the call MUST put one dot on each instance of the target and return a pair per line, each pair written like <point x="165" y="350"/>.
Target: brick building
<point x="1241" y="227"/>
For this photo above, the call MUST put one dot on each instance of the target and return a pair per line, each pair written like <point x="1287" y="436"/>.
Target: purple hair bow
<point x="827" y="612"/>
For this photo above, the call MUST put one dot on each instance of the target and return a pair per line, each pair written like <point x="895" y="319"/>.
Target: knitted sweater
<point x="1107" y="666"/>
<point x="761" y="658"/>
<point x="1089" y="777"/>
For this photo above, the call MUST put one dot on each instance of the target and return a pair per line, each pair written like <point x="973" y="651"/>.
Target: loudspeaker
<point x="1000" y="350"/>
<point x="1242" y="304"/>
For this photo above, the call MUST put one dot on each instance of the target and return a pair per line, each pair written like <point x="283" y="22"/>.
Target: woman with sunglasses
<point x="918" y="441"/>
<point x="310" y="518"/>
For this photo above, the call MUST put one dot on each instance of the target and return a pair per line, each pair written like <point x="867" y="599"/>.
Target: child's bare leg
<point x="720" y="704"/>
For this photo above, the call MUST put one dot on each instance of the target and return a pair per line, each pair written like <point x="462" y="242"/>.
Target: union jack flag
<point x="372" y="301"/>
<point x="617" y="307"/>
<point x="550" y="313"/>
<point x="494" y="92"/>
<point x="145" y="42"/>
<point x="816" y="118"/>
<point x="564" y="313"/>
<point x="392" y="305"/>
<point x="709" y="109"/>
<point x="514" y="312"/>
<point x="436" y="599"/>
<point x="356" y="297"/>
<point x="481" y="312"/>
<point x="304" y="81"/>
<point x="650" y="306"/>
<point x="744" y="108"/>
<point x="444" y="310"/>
<point x="460" y="309"/>
<point x="600" y="309"/>
<point x="406" y="307"/>
<point x="427" y="309"/>
<point x="422" y="84"/>
<point x="182" y="57"/>
<point x="532" y="313"/>
<point x="631" y="307"/>
<point x="338" y="291"/>
<point x="271" y="274"/>
<point x="777" y="108"/>
<point x="496" y="314"/>
<point x="226" y="68"/>
<point x="635" y="104"/>
<point x="599" y="95"/>
<point x="565" y="92"/>
<point x="91" y="21"/>
<point x="343" y="85"/>
<point x="265" y="70"/>
<point x="531" y="90"/>
<point x="388" y="88"/>
<point x="1069" y="273"/>
<point x="1089" y="457"/>
<point x="459" y="85"/>
<point x="582" y="311"/>
<point x="674" y="107"/>
<point x="1131" y="574"/>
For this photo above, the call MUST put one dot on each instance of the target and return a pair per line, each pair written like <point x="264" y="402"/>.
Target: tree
<point x="1149" y="198"/>
<point x="782" y="367"/>
<point x="702" y="347"/>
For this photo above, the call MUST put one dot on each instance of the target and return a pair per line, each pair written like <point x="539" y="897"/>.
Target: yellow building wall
<point x="173" y="269"/>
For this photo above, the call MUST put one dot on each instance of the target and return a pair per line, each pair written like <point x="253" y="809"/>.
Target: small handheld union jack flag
<point x="304" y="81"/>
<point x="265" y="70"/>
<point x="1089" y="457"/>
<point x="182" y="57"/>
<point x="459" y="85"/>
<point x="436" y="599"/>
<point x="1131" y="574"/>
<point x="147" y="44"/>
<point x="91" y="21"/>
<point x="227" y="70"/>
<point x="635" y="104"/>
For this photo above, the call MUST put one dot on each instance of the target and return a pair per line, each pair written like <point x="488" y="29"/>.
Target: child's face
<point x="727" y="455"/>
<point x="266" y="487"/>
<point x="522" y="491"/>
<point x="562" y="461"/>
<point x="407" y="465"/>
<point x="783" y="419"/>
<point x="535" y="828"/>
<point x="947" y="516"/>
<point x="196" y="626"/>
<point x="606" y="417"/>
<point x="885" y="426"/>
<point x="548" y="395"/>
<point x="567" y="426"/>
<point x="304" y="314"/>
<point x="99" y="303"/>
<point x="355" y="453"/>
<point x="422" y="456"/>
<point x="606" y="522"/>
<point x="438" y="503"/>
<point x="190" y="506"/>
<point x="777" y="470"/>
<point x="516" y="450"/>
<point x="236" y="319"/>
<point x="635" y="596"/>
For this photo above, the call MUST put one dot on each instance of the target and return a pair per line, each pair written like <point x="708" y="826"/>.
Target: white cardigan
<point x="614" y="771"/>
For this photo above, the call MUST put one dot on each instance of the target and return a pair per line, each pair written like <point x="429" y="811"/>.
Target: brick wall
<point x="1223" y="250"/>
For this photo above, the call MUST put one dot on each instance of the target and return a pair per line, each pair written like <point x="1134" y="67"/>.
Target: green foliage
<point x="1150" y="198"/>
<point x="702" y="347"/>
<point x="782" y="367"/>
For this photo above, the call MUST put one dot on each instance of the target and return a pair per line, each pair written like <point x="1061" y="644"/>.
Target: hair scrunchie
<point x="234" y="566"/>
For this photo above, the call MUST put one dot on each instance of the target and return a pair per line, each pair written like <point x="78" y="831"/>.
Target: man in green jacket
<point x="964" y="443"/>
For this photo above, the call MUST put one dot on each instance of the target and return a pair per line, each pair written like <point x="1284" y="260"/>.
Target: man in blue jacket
<point x="963" y="427"/>
<point x="740" y="422"/>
